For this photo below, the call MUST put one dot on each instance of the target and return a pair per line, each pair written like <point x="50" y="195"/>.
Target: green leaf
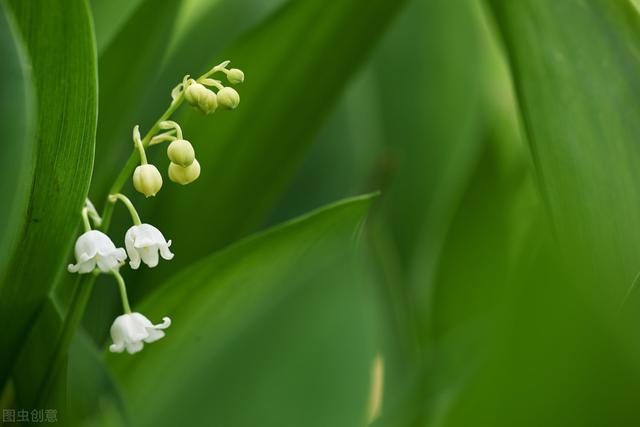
<point x="31" y="366"/>
<point x="294" y="77"/>
<point x="81" y="387"/>
<point x="16" y="127"/>
<point x="280" y="320"/>
<point x="124" y="84"/>
<point x="435" y="147"/>
<point x="111" y="16"/>
<point x="59" y="40"/>
<point x="576" y="66"/>
<point x="92" y="397"/>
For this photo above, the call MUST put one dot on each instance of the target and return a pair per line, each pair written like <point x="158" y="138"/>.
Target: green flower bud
<point x="184" y="175"/>
<point x="228" y="98"/>
<point x="181" y="152"/>
<point x="197" y="95"/>
<point x="192" y="93"/>
<point x="147" y="180"/>
<point x="235" y="76"/>
<point x="208" y="102"/>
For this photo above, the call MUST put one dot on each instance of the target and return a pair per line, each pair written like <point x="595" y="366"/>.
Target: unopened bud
<point x="208" y="102"/>
<point x="228" y="98"/>
<point x="202" y="98"/>
<point x="181" y="152"/>
<point x="191" y="93"/>
<point x="235" y="76"/>
<point x="147" y="180"/>
<point x="184" y="175"/>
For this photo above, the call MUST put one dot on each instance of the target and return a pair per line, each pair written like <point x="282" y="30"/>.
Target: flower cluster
<point x="96" y="253"/>
<point x="184" y="168"/>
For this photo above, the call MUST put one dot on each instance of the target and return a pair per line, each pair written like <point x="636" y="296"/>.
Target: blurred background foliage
<point x="490" y="282"/>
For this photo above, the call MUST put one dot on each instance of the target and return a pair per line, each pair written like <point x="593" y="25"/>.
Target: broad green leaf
<point x="125" y="81"/>
<point x="92" y="397"/>
<point x="16" y="126"/>
<point x="277" y="330"/>
<point x="576" y="67"/>
<point x="82" y="389"/>
<point x="111" y="16"/>
<point x="350" y="144"/>
<point x="296" y="66"/>
<point x="561" y="347"/>
<point x="59" y="40"/>
<point x="32" y="363"/>
<point x="435" y="147"/>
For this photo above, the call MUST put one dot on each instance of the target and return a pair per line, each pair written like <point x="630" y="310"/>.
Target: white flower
<point x="95" y="247"/>
<point x="132" y="330"/>
<point x="143" y="242"/>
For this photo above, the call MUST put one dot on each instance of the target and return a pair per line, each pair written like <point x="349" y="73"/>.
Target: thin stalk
<point x="113" y="198"/>
<point x="85" y="219"/>
<point x="123" y="291"/>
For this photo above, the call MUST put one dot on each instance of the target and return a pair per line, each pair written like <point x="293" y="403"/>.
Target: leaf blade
<point x="231" y="295"/>
<point x="60" y="43"/>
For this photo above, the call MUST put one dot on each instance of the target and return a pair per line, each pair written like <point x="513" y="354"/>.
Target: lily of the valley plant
<point x="96" y="253"/>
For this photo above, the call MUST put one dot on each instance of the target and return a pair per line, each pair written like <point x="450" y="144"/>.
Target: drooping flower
<point x="143" y="242"/>
<point x="95" y="248"/>
<point x="131" y="330"/>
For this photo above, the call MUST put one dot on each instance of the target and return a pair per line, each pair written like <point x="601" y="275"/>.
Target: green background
<point x="448" y="188"/>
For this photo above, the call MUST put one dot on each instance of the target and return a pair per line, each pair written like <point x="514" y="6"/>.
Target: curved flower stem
<point x="113" y="198"/>
<point x="92" y="213"/>
<point x="170" y="124"/>
<point x="85" y="219"/>
<point x="214" y="70"/>
<point x="162" y="137"/>
<point x="138" y="144"/>
<point x="123" y="291"/>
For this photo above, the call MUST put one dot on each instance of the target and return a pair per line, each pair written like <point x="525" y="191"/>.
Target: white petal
<point x="87" y="267"/>
<point x="143" y="242"/>
<point x="116" y="348"/>
<point x="165" y="252"/>
<point x="141" y="320"/>
<point x="107" y="263"/>
<point x="166" y="322"/>
<point x="86" y="256"/>
<point x="150" y="256"/>
<point x="120" y="254"/>
<point x="154" y="335"/>
<point x="134" y="347"/>
<point x="134" y="257"/>
<point x="82" y="267"/>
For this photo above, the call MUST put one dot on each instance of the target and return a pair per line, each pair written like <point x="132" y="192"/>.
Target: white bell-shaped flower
<point x="143" y="242"/>
<point x="95" y="248"/>
<point x="130" y="331"/>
